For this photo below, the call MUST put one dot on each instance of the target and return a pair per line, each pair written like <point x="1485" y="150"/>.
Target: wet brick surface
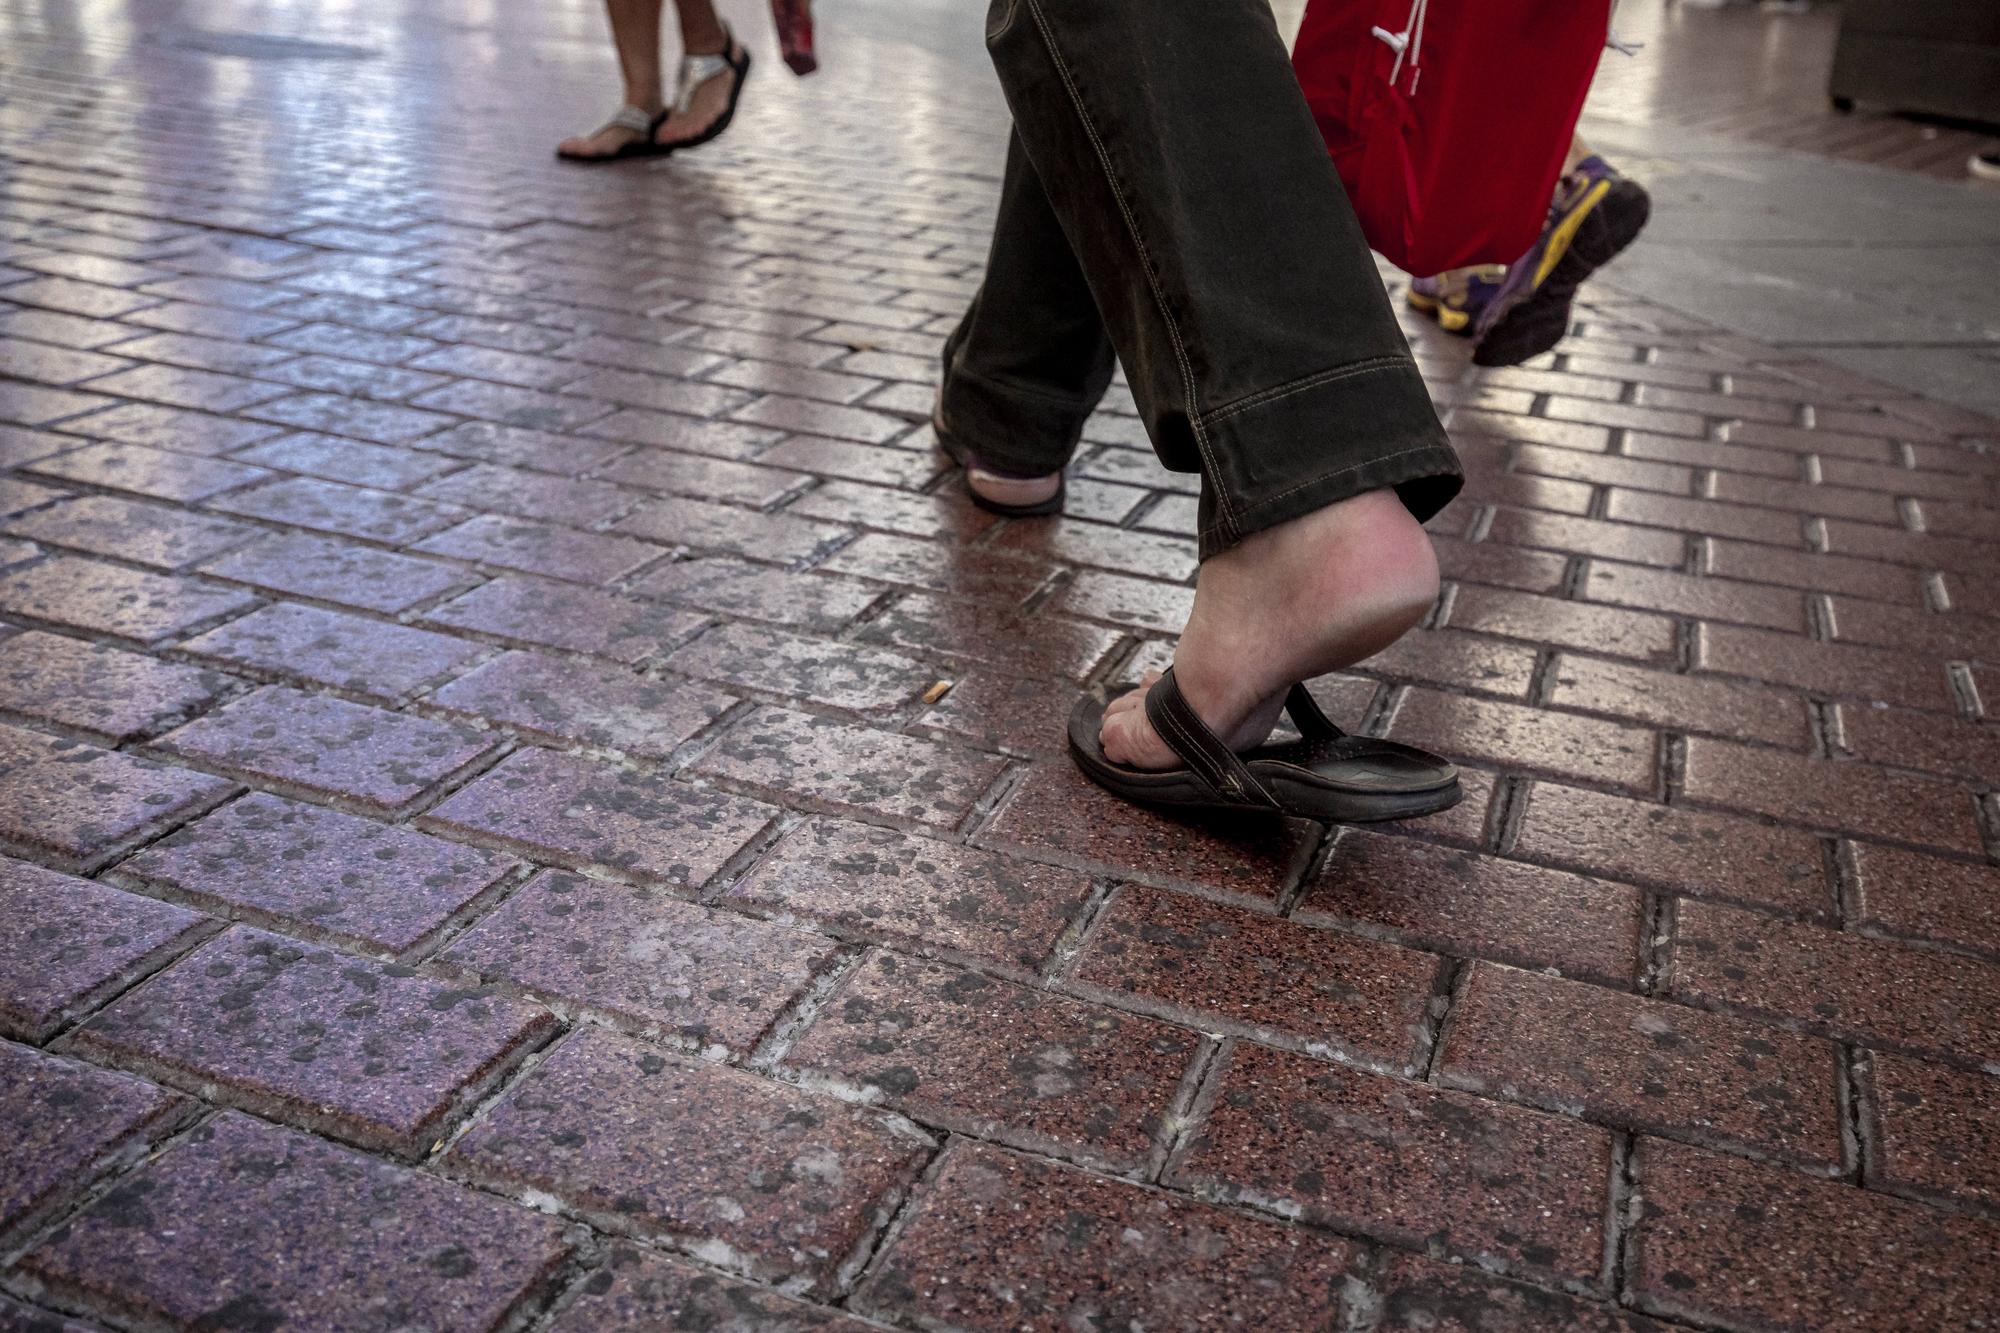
<point x="1000" y="1060"/>
<point x="366" y="1051"/>
<point x="919" y="895"/>
<point x="1002" y="1241"/>
<point x="67" y="944"/>
<point x="70" y="1123"/>
<point x="1243" y="970"/>
<point x="1416" y="1165"/>
<point x="457" y="571"/>
<point x="328" y="747"/>
<point x="246" y="1224"/>
<point x="653" y="964"/>
<point x="636" y="1292"/>
<point x="318" y="872"/>
<point x="1873" y="1262"/>
<point x="774" y="1181"/>
<point x="1628" y="1061"/>
<point x="75" y="803"/>
<point x="108" y="694"/>
<point x="1450" y="900"/>
<point x="582" y="812"/>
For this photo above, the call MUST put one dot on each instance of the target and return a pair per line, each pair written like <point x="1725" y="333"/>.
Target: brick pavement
<point x="485" y="847"/>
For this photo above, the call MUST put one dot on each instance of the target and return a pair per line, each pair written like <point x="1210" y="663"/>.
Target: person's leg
<point x="1596" y="213"/>
<point x="1234" y="281"/>
<point x="702" y="34"/>
<point x="635" y="31"/>
<point x="1029" y="361"/>
<point x="1455" y="297"/>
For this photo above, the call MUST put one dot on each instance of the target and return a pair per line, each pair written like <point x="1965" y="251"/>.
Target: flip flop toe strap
<point x="634" y="119"/>
<point x="1201" y="749"/>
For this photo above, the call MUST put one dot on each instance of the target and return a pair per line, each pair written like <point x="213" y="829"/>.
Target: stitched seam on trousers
<point x="1216" y="530"/>
<point x="1312" y="381"/>
<point x="1145" y="259"/>
<point x="995" y="34"/>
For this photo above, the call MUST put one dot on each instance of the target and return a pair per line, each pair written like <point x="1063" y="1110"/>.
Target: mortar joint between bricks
<point x="1829" y="738"/>
<point x="1481" y="525"/>
<point x="1853" y="1084"/>
<point x="1937" y="597"/>
<point x="1440" y="1008"/>
<point x="1965" y="690"/>
<point x="1507" y="816"/>
<point x="47" y="1315"/>
<point x="442" y="790"/>
<point x="1624" y="1206"/>
<point x="1361" y="1293"/>
<point x="1659" y="928"/>
<point x="1061" y="962"/>
<point x="1378" y="713"/>
<point x="1673" y="767"/>
<point x="475" y="909"/>
<point x="1911" y="513"/>
<point x="1048" y="589"/>
<point x="149" y="967"/>
<point x="539" y="1307"/>
<point x="870" y="1252"/>
<point x="804" y="1010"/>
<point x="1986" y="808"/>
<point x="1575" y="578"/>
<point x="1542" y="679"/>
<point x="1191" y="1103"/>
<point x="1819" y="617"/>
<point x="1440" y="610"/>
<point x="743" y="862"/>
<point x="1843" y="874"/>
<point x="1013" y="773"/>
<point x="476" y="1109"/>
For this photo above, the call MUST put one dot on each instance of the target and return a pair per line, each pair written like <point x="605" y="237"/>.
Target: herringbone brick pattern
<point x="531" y="800"/>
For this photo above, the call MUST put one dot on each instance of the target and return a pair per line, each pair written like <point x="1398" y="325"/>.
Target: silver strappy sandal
<point x="642" y="123"/>
<point x="696" y="70"/>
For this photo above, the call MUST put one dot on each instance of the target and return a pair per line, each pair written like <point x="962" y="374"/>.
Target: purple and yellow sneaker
<point x="1455" y="297"/>
<point x="1596" y="213"/>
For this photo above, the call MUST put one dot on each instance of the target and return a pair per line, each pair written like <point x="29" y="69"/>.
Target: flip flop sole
<point x="1402" y="784"/>
<point x="1542" y="319"/>
<point x="1052" y="505"/>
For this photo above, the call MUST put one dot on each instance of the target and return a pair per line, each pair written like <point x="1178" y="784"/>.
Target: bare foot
<point x="606" y="139"/>
<point x="1287" y="604"/>
<point x="710" y="100"/>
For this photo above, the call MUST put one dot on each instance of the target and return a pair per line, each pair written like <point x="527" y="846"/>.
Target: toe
<point x="1128" y="737"/>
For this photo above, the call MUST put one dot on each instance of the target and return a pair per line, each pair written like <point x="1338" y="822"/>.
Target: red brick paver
<point x="530" y="798"/>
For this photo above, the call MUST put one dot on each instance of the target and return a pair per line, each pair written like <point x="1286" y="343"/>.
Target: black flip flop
<point x="738" y="65"/>
<point x="968" y="460"/>
<point x="644" y="146"/>
<point x="1326" y="774"/>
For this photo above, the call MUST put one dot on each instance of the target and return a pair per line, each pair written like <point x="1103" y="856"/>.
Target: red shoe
<point x="795" y="34"/>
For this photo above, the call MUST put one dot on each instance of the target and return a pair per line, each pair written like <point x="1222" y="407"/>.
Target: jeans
<point x="1169" y="198"/>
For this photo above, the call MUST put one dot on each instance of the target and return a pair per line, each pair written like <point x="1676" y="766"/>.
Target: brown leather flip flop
<point x="1326" y="774"/>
